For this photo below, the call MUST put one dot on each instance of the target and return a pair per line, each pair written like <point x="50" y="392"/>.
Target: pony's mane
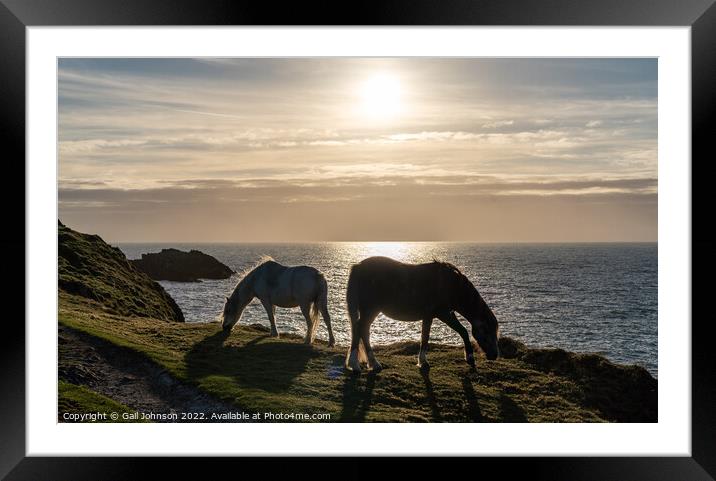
<point x="246" y="272"/>
<point x="454" y="270"/>
<point x="450" y="267"/>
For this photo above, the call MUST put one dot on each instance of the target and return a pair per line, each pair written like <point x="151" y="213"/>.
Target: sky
<point x="358" y="149"/>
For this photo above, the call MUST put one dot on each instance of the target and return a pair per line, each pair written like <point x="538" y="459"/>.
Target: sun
<point x="380" y="96"/>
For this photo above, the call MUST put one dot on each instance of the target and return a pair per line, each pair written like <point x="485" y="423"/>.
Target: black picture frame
<point x="700" y="15"/>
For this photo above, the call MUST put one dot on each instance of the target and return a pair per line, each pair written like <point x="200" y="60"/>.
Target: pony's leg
<point x="353" y="359"/>
<point x="271" y="311"/>
<point x="452" y="321"/>
<point x="306" y="311"/>
<point x="327" y="319"/>
<point x="424" y="338"/>
<point x="366" y="321"/>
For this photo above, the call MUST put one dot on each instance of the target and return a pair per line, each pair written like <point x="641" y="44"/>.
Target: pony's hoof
<point x="377" y="367"/>
<point x="274" y="333"/>
<point x="331" y="343"/>
<point x="470" y="360"/>
<point x="353" y="370"/>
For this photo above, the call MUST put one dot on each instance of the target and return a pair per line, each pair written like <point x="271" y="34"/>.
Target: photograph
<point x="357" y="240"/>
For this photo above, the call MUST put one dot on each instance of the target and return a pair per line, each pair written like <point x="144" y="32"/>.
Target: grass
<point x="74" y="399"/>
<point x="258" y="373"/>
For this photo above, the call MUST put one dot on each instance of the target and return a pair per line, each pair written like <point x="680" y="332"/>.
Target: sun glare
<point x="381" y="96"/>
<point x="395" y="250"/>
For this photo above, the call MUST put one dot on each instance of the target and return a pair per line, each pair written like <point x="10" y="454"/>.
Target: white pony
<point x="277" y="285"/>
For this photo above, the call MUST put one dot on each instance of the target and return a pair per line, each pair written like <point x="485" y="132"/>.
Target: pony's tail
<point x="352" y="298"/>
<point x="353" y="314"/>
<point x="362" y="354"/>
<point x="321" y="299"/>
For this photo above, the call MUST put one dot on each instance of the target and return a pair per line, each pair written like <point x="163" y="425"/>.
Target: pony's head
<point x="230" y="315"/>
<point x="485" y="331"/>
<point x="235" y="305"/>
<point x="473" y="308"/>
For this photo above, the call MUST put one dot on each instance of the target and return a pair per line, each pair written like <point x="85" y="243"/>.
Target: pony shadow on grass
<point x="430" y="392"/>
<point x="357" y="396"/>
<point x="510" y="411"/>
<point x="264" y="362"/>
<point x="473" y="405"/>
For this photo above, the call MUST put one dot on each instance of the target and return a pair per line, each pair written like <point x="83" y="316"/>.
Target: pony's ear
<point x="227" y="299"/>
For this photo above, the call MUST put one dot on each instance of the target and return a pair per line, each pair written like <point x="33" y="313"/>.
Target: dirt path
<point x="131" y="379"/>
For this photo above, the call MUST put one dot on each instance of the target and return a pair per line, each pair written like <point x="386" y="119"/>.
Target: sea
<point x="582" y="297"/>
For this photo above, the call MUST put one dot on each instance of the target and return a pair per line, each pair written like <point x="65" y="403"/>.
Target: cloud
<point x="348" y="184"/>
<point x="497" y="123"/>
<point x="386" y="208"/>
<point x="95" y="145"/>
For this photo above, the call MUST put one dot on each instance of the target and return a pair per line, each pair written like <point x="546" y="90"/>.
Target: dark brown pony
<point x="415" y="292"/>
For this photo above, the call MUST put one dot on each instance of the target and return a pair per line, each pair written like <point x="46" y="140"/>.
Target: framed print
<point x="408" y="224"/>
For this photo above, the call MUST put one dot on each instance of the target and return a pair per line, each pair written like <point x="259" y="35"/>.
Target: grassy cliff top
<point x="91" y="268"/>
<point x="258" y="373"/>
